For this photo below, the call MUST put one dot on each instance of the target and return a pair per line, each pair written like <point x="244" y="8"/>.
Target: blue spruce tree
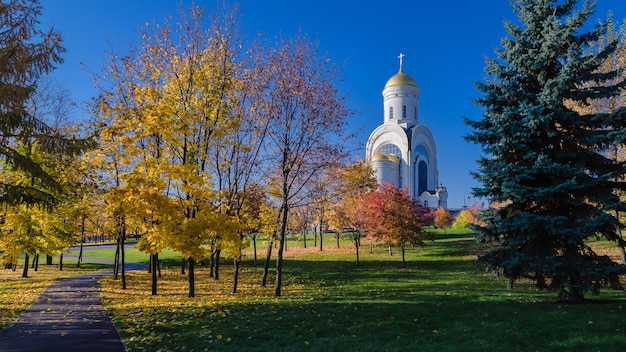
<point x="547" y="165"/>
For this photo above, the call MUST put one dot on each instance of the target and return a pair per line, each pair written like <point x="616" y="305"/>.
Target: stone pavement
<point x="68" y="316"/>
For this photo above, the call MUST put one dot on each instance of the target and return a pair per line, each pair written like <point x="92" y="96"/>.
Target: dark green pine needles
<point x="550" y="171"/>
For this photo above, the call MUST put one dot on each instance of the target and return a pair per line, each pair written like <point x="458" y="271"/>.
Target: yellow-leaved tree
<point x="164" y="107"/>
<point x="355" y="180"/>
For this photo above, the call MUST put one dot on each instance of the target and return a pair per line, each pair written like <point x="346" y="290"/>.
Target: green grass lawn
<point x="442" y="301"/>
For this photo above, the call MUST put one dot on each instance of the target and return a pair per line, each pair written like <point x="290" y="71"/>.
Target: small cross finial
<point x="400" y="57"/>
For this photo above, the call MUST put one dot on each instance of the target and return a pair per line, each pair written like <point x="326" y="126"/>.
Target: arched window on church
<point x="391" y="112"/>
<point x="422" y="177"/>
<point x="404" y="111"/>
<point x="391" y="149"/>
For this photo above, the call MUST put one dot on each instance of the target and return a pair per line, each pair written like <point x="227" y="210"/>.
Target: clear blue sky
<point x="445" y="43"/>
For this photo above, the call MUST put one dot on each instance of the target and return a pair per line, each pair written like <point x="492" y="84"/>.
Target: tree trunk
<point x="575" y="294"/>
<point x="61" y="262"/>
<point x="279" y="257"/>
<point x="389" y="246"/>
<point x="25" y="271"/>
<point x="266" y="267"/>
<point x="236" y="275"/>
<point x="116" y="261"/>
<point x="321" y="239"/>
<point x="82" y="240"/>
<point x="304" y="237"/>
<point x="182" y="266"/>
<point x="357" y="242"/>
<point x="402" y="249"/>
<point x="212" y="264"/>
<point x="154" y="259"/>
<point x="123" y="263"/>
<point x="48" y="259"/>
<point x="314" y="236"/>
<point x="192" y="279"/>
<point x="371" y="247"/>
<point x="158" y="265"/>
<point x="254" y="247"/>
<point x="338" y="236"/>
<point x="217" y="264"/>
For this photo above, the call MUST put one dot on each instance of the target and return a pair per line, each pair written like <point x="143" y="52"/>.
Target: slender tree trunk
<point x="314" y="236"/>
<point x="338" y="236"/>
<point x="279" y="257"/>
<point x="182" y="266"/>
<point x="389" y="246"/>
<point x="217" y="264"/>
<point x="116" y="261"/>
<point x="266" y="267"/>
<point x="123" y="268"/>
<point x="212" y="265"/>
<point x="321" y="239"/>
<point x="236" y="274"/>
<point x="304" y="236"/>
<point x="36" y="261"/>
<point x="371" y="247"/>
<point x="254" y="247"/>
<point x="48" y="259"/>
<point x="25" y="271"/>
<point x="158" y="265"/>
<point x="192" y="278"/>
<point x="357" y="241"/>
<point x="61" y="262"/>
<point x="154" y="259"/>
<point x="82" y="240"/>
<point x="402" y="249"/>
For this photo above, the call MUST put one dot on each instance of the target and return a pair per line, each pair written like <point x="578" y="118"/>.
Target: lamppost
<point x="469" y="196"/>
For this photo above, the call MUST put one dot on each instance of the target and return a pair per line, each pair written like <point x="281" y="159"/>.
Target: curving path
<point x="68" y="316"/>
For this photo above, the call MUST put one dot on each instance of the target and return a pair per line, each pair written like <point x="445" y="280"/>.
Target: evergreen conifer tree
<point x="26" y="54"/>
<point x="546" y="165"/>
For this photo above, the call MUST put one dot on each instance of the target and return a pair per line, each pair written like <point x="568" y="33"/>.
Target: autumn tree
<point x="545" y="159"/>
<point x="396" y="218"/>
<point x="304" y="109"/>
<point x="160" y="113"/>
<point x="28" y="52"/>
<point x="355" y="181"/>
<point x="300" y="219"/>
<point x="443" y="218"/>
<point x="468" y="217"/>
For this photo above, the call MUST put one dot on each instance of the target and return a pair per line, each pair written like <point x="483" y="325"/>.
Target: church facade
<point x="402" y="150"/>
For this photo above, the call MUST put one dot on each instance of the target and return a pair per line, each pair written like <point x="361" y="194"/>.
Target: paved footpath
<point x="69" y="317"/>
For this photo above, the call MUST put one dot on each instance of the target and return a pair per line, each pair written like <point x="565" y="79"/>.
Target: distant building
<point x="403" y="151"/>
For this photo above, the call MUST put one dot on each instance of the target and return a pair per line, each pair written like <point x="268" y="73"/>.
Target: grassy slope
<point x="443" y="301"/>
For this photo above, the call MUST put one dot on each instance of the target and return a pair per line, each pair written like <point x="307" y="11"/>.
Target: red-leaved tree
<point x="396" y="218"/>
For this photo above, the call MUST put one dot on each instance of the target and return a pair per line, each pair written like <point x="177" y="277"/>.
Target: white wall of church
<point x="387" y="171"/>
<point x="401" y="104"/>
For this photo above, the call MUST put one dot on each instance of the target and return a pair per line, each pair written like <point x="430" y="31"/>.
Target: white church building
<point x="402" y="150"/>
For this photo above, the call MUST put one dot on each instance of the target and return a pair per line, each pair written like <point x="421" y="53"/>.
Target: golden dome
<point x="401" y="79"/>
<point x="380" y="156"/>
